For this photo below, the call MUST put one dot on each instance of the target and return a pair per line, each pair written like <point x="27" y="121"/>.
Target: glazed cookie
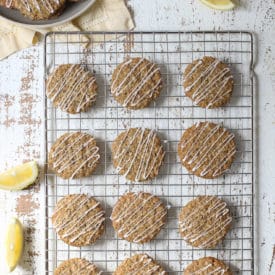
<point x="78" y="220"/>
<point x="136" y="82"/>
<point x="140" y="264"/>
<point x="137" y="154"/>
<point x="207" y="150"/>
<point x="204" y="221"/>
<point x="71" y="88"/>
<point x="138" y="217"/>
<point x="74" y="155"/>
<point x="208" y="82"/>
<point x="76" y="266"/>
<point x="38" y="9"/>
<point x="206" y="266"/>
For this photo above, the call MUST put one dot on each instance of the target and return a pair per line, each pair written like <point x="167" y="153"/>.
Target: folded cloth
<point x="104" y="15"/>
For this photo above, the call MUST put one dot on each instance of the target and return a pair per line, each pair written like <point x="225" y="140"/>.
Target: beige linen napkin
<point x="104" y="15"/>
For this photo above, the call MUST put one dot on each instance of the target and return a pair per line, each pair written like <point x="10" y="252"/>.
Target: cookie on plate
<point x="137" y="154"/>
<point x="40" y="9"/>
<point x="208" y="82"/>
<point x="204" y="221"/>
<point x="206" y="266"/>
<point x="78" y="220"/>
<point x="138" y="217"/>
<point x="76" y="266"/>
<point x="136" y="82"/>
<point x="74" y="155"/>
<point x="207" y="149"/>
<point x="71" y="88"/>
<point x="140" y="264"/>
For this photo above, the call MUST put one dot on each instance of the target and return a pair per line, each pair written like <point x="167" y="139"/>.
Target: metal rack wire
<point x="170" y="115"/>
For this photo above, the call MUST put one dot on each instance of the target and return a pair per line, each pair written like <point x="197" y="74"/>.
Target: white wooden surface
<point x="21" y="116"/>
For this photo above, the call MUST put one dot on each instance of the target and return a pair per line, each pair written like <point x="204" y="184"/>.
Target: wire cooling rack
<point x="170" y="115"/>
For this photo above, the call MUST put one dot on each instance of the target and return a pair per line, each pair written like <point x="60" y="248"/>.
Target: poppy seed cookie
<point x="71" y="88"/>
<point x="136" y="82"/>
<point x="38" y="9"/>
<point x="74" y="155"/>
<point x="204" y="221"/>
<point x="138" y="217"/>
<point x="206" y="266"/>
<point x="137" y="154"/>
<point x="208" y="82"/>
<point x="78" y="220"/>
<point x="207" y="149"/>
<point x="76" y="266"/>
<point x="140" y="264"/>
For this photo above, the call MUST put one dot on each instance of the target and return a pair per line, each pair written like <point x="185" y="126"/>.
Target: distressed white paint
<point x="257" y="16"/>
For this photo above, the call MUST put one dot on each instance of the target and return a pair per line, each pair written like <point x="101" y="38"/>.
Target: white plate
<point x="72" y="11"/>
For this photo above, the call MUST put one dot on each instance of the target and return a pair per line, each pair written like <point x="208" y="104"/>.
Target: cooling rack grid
<point x="170" y="115"/>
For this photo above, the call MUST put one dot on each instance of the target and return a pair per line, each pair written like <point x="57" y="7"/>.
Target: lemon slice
<point x="14" y="243"/>
<point x="219" y="4"/>
<point x="19" y="177"/>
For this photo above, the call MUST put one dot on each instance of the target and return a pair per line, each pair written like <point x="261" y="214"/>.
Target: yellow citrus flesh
<point x="14" y="243"/>
<point x="19" y="177"/>
<point x="219" y="4"/>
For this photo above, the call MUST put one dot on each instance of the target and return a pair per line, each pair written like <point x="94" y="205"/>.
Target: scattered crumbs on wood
<point x="26" y="205"/>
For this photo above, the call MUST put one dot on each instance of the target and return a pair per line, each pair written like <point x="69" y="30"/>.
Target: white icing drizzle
<point x="145" y="260"/>
<point x="38" y="4"/>
<point x="83" y="270"/>
<point x="75" y="89"/>
<point x="77" y="222"/>
<point x="209" y="78"/>
<point x="197" y="228"/>
<point x="9" y="3"/>
<point x="132" y="218"/>
<point x="199" y="157"/>
<point x="62" y="161"/>
<point x="145" y="149"/>
<point x="134" y="98"/>
<point x="216" y="271"/>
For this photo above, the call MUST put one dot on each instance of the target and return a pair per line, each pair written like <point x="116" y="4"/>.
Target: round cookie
<point x="78" y="220"/>
<point x="76" y="266"/>
<point x="71" y="88"/>
<point x="140" y="264"/>
<point x="207" y="150"/>
<point x="208" y="82"/>
<point x="206" y="266"/>
<point x="204" y="221"/>
<point x="39" y="9"/>
<point x="74" y="155"/>
<point x="138" y="217"/>
<point x="137" y="154"/>
<point x="136" y="82"/>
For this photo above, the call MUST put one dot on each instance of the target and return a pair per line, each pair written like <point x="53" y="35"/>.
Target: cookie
<point x="138" y="217"/>
<point x="206" y="266"/>
<point x="207" y="150"/>
<point x="136" y="82"/>
<point x="140" y="264"/>
<point x="76" y="266"/>
<point x="137" y="154"/>
<point x="74" y="155"/>
<point x="204" y="221"/>
<point x="71" y="88"/>
<point x="78" y="220"/>
<point x="38" y="9"/>
<point x="208" y="82"/>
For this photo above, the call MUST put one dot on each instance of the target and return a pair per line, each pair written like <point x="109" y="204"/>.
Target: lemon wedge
<point x="14" y="243"/>
<point x="19" y="177"/>
<point x="219" y="4"/>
